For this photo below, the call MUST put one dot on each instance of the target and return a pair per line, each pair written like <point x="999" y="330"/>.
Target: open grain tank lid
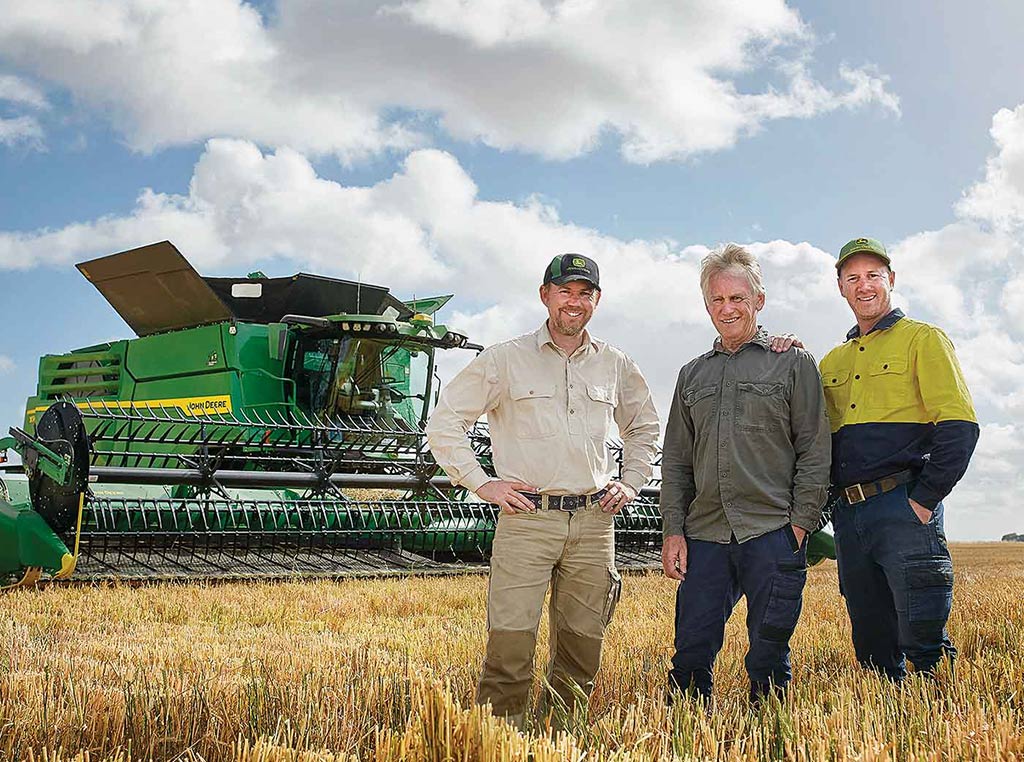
<point x="155" y="289"/>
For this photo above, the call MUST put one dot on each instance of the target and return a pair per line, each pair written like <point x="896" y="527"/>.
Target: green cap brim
<point x="862" y="246"/>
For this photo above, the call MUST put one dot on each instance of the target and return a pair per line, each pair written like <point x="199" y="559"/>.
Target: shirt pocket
<point x="534" y="413"/>
<point x="888" y="387"/>
<point x="760" y="406"/>
<point x="600" y="407"/>
<point x="837" y="395"/>
<point x="700" y="400"/>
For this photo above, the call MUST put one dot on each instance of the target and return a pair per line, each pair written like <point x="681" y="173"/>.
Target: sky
<point x="455" y="146"/>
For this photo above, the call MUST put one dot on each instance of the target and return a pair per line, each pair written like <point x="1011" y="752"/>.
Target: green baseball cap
<point x="567" y="267"/>
<point x="862" y="246"/>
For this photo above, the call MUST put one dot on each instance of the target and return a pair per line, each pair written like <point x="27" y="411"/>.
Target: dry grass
<point x="385" y="670"/>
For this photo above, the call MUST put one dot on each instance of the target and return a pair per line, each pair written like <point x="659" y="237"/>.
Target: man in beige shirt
<point x="550" y="398"/>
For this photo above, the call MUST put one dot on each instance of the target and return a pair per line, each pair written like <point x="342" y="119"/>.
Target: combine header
<point x="256" y="427"/>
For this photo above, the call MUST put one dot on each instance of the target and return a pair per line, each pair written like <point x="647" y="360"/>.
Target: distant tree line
<point x="1013" y="537"/>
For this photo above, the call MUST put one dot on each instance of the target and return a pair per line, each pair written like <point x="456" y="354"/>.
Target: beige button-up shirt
<point x="550" y="416"/>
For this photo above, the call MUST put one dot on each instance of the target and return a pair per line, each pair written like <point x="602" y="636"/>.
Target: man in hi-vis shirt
<point x="550" y="398"/>
<point x="903" y="432"/>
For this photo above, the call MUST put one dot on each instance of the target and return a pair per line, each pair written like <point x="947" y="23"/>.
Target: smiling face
<point x="733" y="307"/>
<point x="866" y="283"/>
<point x="570" y="306"/>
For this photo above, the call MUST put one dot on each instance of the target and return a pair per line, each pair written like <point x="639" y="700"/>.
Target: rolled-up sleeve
<point x="811" y="443"/>
<point x="637" y="419"/>
<point x="472" y="393"/>
<point x="678" y="487"/>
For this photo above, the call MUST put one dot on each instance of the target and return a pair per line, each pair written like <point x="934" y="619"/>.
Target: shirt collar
<point x="760" y="339"/>
<point x="887" y="322"/>
<point x="544" y="337"/>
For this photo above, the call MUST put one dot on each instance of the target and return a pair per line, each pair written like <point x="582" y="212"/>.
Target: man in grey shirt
<point x="744" y="476"/>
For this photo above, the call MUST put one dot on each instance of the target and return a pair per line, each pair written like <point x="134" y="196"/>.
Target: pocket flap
<point x="764" y="390"/>
<point x="601" y="394"/>
<point x="520" y="390"/>
<point x="692" y="396"/>
<point x="835" y="378"/>
<point x="891" y="365"/>
<point x="930" y="572"/>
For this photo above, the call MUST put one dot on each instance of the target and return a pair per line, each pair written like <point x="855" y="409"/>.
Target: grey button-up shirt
<point x="747" y="446"/>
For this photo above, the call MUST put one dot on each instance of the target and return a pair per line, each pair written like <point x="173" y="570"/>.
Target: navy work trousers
<point x="770" y="571"/>
<point x="897" y="578"/>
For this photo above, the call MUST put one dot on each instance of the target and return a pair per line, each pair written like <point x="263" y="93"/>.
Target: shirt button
<point x="531" y="391"/>
<point x="571" y="411"/>
<point x="570" y="386"/>
<point x="857" y="377"/>
<point x="861" y="349"/>
<point x="853" y="406"/>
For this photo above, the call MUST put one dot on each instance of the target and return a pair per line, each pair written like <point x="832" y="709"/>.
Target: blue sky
<point x="436" y="146"/>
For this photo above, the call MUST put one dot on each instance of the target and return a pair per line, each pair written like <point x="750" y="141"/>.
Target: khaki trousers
<point x="575" y="553"/>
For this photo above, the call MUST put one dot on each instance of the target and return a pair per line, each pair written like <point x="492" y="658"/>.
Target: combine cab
<point x="256" y="427"/>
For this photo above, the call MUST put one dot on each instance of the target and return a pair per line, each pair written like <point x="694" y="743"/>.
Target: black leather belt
<point x="858" y="493"/>
<point x="563" y="502"/>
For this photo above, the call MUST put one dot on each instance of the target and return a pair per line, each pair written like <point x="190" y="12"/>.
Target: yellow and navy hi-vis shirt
<point x="897" y="400"/>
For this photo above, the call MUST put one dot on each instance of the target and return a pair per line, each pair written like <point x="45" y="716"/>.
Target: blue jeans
<point x="770" y="571"/>
<point x="897" y="578"/>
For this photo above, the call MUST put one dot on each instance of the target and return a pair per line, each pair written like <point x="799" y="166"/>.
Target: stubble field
<point x="385" y="670"/>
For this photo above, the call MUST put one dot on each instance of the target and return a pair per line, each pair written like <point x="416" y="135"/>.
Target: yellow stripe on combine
<point x="190" y="406"/>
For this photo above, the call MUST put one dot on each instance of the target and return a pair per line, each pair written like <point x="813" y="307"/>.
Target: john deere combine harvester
<point x="248" y="431"/>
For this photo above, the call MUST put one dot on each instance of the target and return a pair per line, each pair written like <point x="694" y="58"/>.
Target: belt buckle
<point x="855" y="494"/>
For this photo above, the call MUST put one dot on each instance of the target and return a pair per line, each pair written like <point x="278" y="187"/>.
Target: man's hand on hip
<point x="673" y="556"/>
<point x="617" y="496"/>
<point x="923" y="514"/>
<point x="506" y="494"/>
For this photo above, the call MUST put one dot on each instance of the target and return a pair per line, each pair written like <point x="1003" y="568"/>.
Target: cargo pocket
<point x="614" y="593"/>
<point x="929" y="595"/>
<point x="784" y="602"/>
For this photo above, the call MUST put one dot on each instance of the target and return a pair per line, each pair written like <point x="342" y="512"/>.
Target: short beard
<point x="565" y="330"/>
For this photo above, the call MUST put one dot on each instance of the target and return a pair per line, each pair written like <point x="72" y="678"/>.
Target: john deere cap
<point x="859" y="246"/>
<point x="567" y="267"/>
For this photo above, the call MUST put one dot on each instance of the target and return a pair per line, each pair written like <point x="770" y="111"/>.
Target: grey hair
<point x="730" y="258"/>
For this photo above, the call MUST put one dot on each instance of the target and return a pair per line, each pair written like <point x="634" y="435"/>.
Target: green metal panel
<point x="26" y="540"/>
<point x="188" y="352"/>
<point x="261" y="380"/>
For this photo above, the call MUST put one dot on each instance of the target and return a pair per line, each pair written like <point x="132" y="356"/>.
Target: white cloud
<point x="16" y="90"/>
<point x="999" y="199"/>
<point x="6" y="365"/>
<point x="21" y="128"/>
<point x="985" y="503"/>
<point x="553" y="78"/>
